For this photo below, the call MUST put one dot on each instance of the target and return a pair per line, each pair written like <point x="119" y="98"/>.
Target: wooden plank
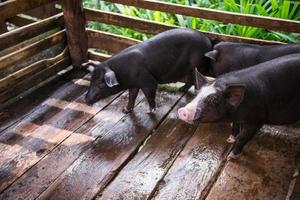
<point x="30" y="70"/>
<point x="26" y="144"/>
<point x="34" y="80"/>
<point x="3" y="27"/>
<point x="49" y="168"/>
<point x="24" y="33"/>
<point x="68" y="92"/>
<point x="138" y="179"/>
<point x="20" y="21"/>
<point x="17" y="111"/>
<point x="75" y="27"/>
<point x="198" y="165"/>
<point x="150" y="27"/>
<point x="44" y="11"/>
<point x="218" y="15"/>
<point x="263" y="171"/>
<point x="9" y="9"/>
<point x="92" y="55"/>
<point x="9" y="63"/>
<point x="100" y="163"/>
<point x="110" y="42"/>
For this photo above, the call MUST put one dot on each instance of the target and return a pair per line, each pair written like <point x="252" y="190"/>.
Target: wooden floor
<point x="54" y="146"/>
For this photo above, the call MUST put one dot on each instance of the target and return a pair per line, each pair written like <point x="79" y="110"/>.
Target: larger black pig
<point x="267" y="93"/>
<point x="168" y="57"/>
<point x="229" y="56"/>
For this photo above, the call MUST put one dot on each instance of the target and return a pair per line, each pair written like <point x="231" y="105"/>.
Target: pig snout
<point x="186" y="114"/>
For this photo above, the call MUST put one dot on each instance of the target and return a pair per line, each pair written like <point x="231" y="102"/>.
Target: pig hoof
<point x="126" y="110"/>
<point x="232" y="156"/>
<point x="231" y="139"/>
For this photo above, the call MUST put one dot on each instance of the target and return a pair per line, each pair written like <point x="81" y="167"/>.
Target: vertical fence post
<point x="75" y="27"/>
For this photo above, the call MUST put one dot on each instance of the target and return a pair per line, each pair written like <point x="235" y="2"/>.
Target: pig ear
<point x="212" y="55"/>
<point x="200" y="80"/>
<point x="110" y="78"/>
<point x="235" y="94"/>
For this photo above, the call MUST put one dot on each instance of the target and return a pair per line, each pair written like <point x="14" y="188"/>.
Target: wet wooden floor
<point x="54" y="146"/>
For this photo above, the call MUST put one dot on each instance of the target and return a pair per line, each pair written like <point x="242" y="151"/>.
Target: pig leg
<point x="235" y="131"/>
<point x="133" y="92"/>
<point x="247" y="133"/>
<point x="150" y="96"/>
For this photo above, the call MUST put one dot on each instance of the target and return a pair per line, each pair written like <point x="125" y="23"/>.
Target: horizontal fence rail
<point x="150" y="27"/>
<point x="26" y="32"/>
<point x="11" y="8"/>
<point x="212" y="14"/>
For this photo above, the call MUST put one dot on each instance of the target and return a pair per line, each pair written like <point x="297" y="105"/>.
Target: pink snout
<point x="186" y="114"/>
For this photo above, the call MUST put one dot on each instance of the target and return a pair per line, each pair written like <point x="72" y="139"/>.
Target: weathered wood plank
<point x="8" y="63"/>
<point x="150" y="27"/>
<point x="263" y="171"/>
<point x="138" y="179"/>
<point x="110" y="42"/>
<point x="3" y="27"/>
<point x="49" y="168"/>
<point x="25" y="145"/>
<point x="68" y="92"/>
<point x="44" y="11"/>
<point x="100" y="163"/>
<point x="11" y="8"/>
<point x="20" y="21"/>
<point x="75" y="27"/>
<point x="24" y="33"/>
<point x="197" y="165"/>
<point x="15" y="77"/>
<point x="17" y="111"/>
<point x="218" y="15"/>
<point x="92" y="55"/>
<point x="34" y="80"/>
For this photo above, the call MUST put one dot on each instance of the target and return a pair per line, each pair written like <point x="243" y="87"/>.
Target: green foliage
<point x="273" y="8"/>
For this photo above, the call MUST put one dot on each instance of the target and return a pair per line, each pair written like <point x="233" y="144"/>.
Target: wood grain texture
<point x="198" y="165"/>
<point x="138" y="179"/>
<point x="151" y="27"/>
<point x="11" y="8"/>
<point x="83" y="179"/>
<point x="76" y="35"/>
<point x="107" y="41"/>
<point x="54" y="164"/>
<point x="26" y="32"/>
<point x="212" y="14"/>
<point x="20" y="21"/>
<point x="9" y="63"/>
<point x="92" y="55"/>
<point x="14" y="78"/>
<point x="24" y="145"/>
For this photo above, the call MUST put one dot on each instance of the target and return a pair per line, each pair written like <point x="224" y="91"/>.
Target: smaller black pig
<point x="229" y="56"/>
<point x="168" y="57"/>
<point x="267" y="93"/>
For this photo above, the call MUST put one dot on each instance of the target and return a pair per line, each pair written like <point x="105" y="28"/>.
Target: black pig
<point x="229" y="56"/>
<point x="267" y="93"/>
<point x="168" y="57"/>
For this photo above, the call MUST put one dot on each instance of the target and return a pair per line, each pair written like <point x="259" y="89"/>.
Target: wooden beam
<point x="44" y="11"/>
<point x="150" y="27"/>
<point x="9" y="62"/>
<point x="107" y="41"/>
<point x="92" y="55"/>
<point x="30" y="70"/>
<point x="33" y="82"/>
<point x="20" y="21"/>
<point x="24" y="33"/>
<point x="9" y="9"/>
<point x="75" y="27"/>
<point x="212" y="14"/>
